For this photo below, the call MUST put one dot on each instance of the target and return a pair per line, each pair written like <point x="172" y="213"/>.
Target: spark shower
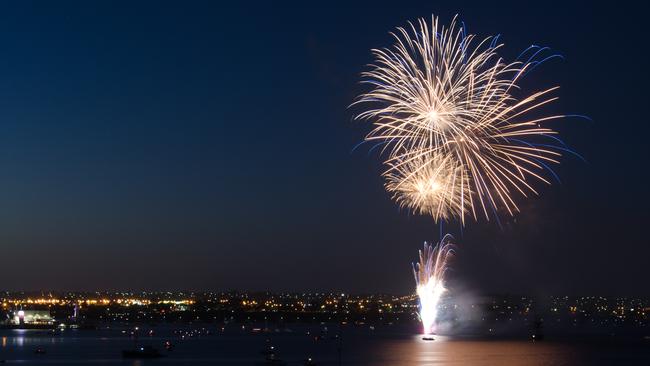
<point x="429" y="274"/>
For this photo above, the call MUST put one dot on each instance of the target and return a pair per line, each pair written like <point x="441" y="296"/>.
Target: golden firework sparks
<point x="443" y="104"/>
<point x="428" y="185"/>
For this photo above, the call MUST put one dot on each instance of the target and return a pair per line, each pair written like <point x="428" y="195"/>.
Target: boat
<point x="537" y="334"/>
<point x="169" y="346"/>
<point x="141" y="352"/>
<point x="39" y="350"/>
<point x="268" y="351"/>
<point x="309" y="362"/>
<point x="428" y="338"/>
<point x="274" y="361"/>
<point x="271" y="356"/>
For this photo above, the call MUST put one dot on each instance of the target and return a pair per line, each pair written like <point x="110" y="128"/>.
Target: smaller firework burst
<point x="429" y="275"/>
<point x="429" y="186"/>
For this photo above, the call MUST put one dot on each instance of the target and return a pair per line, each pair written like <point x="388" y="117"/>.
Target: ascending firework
<point x="429" y="275"/>
<point x="458" y="140"/>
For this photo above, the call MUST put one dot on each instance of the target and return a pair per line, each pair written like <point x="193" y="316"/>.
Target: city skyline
<point x="209" y="147"/>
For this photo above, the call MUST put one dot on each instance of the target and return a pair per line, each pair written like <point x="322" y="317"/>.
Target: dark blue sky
<point x="198" y="145"/>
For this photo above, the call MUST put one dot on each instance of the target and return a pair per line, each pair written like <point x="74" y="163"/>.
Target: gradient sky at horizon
<point x="198" y="145"/>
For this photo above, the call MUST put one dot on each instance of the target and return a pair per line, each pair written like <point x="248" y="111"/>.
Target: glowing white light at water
<point x="429" y="275"/>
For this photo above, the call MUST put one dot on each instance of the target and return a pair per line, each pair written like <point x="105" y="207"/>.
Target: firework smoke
<point x="429" y="275"/>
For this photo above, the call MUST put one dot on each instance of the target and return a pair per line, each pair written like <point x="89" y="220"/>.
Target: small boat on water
<point x="428" y="338"/>
<point x="169" y="346"/>
<point x="271" y="356"/>
<point x="39" y="350"/>
<point x="309" y="362"/>
<point x="269" y="350"/>
<point x="141" y="352"/>
<point x="538" y="331"/>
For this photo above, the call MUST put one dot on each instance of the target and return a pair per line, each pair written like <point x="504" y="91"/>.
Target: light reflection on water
<point x="411" y="351"/>
<point x="447" y="351"/>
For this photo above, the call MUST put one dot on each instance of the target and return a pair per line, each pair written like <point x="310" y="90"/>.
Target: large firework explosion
<point x="457" y="141"/>
<point x="429" y="275"/>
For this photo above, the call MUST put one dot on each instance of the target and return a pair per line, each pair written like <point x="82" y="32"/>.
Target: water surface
<point x="359" y="346"/>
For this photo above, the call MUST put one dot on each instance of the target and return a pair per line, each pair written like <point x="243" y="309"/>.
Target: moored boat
<point x="141" y="352"/>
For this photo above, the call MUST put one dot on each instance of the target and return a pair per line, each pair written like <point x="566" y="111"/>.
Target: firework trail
<point x="429" y="275"/>
<point x="458" y="137"/>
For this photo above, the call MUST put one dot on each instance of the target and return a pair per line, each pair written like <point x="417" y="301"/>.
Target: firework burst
<point x="443" y="105"/>
<point x="429" y="275"/>
<point x="429" y="186"/>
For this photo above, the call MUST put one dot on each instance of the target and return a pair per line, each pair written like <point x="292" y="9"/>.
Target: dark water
<point x="360" y="346"/>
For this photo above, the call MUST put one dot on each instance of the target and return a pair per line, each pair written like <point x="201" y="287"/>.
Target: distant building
<point x="32" y="317"/>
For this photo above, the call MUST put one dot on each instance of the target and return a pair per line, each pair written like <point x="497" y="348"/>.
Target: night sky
<point x="197" y="145"/>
